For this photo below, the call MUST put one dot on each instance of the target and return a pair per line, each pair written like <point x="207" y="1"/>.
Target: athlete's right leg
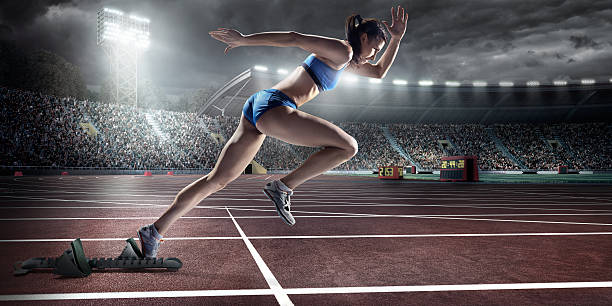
<point x="235" y="156"/>
<point x="300" y="128"/>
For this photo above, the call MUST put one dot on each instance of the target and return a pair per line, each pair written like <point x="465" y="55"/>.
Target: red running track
<point x="357" y="240"/>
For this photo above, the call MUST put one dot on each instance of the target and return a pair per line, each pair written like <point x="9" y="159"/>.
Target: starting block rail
<point x="73" y="262"/>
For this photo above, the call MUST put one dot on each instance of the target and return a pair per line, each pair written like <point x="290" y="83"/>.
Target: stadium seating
<point x="42" y="130"/>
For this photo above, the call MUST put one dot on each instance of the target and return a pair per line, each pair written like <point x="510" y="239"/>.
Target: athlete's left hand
<point x="398" y="23"/>
<point x="231" y="37"/>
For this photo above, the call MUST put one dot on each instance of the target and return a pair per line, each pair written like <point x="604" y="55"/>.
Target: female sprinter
<point x="273" y="112"/>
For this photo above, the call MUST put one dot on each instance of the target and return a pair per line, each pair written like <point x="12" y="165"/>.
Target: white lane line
<point x="263" y="199"/>
<point x="170" y="193"/>
<point x="267" y="178"/>
<point x="83" y="201"/>
<point x="327" y="237"/>
<point x="297" y="216"/>
<point x="512" y="202"/>
<point x="471" y="219"/>
<point x="319" y="189"/>
<point x="432" y="235"/>
<point x="303" y="206"/>
<point x="563" y="195"/>
<point x="356" y="202"/>
<point x="328" y="290"/>
<point x="420" y="206"/>
<point x="136" y="218"/>
<point x="522" y="221"/>
<point x="353" y="203"/>
<point x="328" y="203"/>
<point x="432" y="288"/>
<point x="244" y="207"/>
<point x="433" y="217"/>
<point x="354" y="197"/>
<point x="314" y="193"/>
<point x="116" y="239"/>
<point x="366" y="204"/>
<point x="400" y="195"/>
<point x="279" y="293"/>
<point x="132" y="295"/>
<point x="76" y="207"/>
<point x="76" y="218"/>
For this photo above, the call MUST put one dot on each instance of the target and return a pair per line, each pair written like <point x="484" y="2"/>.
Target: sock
<point x="283" y="187"/>
<point x="157" y="235"/>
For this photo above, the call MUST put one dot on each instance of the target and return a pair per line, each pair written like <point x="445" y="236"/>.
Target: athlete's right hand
<point x="229" y="36"/>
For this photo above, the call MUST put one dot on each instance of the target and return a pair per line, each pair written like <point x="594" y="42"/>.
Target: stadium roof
<point x="384" y="102"/>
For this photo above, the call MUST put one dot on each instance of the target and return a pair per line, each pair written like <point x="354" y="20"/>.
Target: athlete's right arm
<point x="337" y="51"/>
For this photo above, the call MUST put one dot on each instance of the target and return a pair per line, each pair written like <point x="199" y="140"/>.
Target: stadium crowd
<point x="42" y="130"/>
<point x="428" y="143"/>
<point x="588" y="145"/>
<point x="531" y="148"/>
<point x="473" y="139"/>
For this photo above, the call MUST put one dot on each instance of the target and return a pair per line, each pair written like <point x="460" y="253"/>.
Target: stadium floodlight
<point x="112" y="11"/>
<point x="587" y="81"/>
<point x="533" y="83"/>
<point x="400" y="82"/>
<point x="349" y="78"/>
<point x="114" y="27"/>
<point x="282" y="71"/>
<point x="479" y="83"/>
<point x="559" y="83"/>
<point x="426" y="83"/>
<point x="260" y="68"/>
<point x="506" y="84"/>
<point x="610" y="80"/>
<point x="123" y="38"/>
<point x="141" y="19"/>
<point x="378" y="81"/>
<point x="452" y="83"/>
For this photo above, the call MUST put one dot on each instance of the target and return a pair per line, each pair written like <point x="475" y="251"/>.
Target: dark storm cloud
<point x="19" y="12"/>
<point x="584" y="42"/>
<point x="5" y="31"/>
<point x="446" y="39"/>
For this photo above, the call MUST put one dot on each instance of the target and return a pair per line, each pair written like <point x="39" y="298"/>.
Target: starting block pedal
<point x="73" y="262"/>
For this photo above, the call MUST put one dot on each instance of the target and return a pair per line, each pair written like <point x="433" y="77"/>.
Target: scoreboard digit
<point x="390" y="172"/>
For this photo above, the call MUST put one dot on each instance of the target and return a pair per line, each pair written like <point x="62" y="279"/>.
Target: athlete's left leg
<point x="235" y="156"/>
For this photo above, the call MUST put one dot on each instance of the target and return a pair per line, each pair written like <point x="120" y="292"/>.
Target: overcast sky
<point x="446" y="39"/>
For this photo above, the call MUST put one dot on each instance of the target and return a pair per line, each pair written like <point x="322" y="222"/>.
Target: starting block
<point x="73" y="262"/>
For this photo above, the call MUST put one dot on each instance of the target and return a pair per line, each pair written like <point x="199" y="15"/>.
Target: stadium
<point x="464" y="189"/>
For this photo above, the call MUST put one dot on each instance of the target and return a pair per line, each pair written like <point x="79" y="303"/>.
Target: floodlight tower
<point x="123" y="38"/>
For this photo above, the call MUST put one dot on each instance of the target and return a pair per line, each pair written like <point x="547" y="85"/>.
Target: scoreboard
<point x="390" y="172"/>
<point x="459" y="168"/>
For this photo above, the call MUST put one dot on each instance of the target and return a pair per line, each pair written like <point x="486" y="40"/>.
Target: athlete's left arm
<point x="397" y="30"/>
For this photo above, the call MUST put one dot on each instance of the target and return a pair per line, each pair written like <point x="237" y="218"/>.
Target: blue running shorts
<point x="264" y="100"/>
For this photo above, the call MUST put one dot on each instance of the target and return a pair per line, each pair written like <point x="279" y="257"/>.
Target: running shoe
<point x="150" y="240"/>
<point x="281" y="200"/>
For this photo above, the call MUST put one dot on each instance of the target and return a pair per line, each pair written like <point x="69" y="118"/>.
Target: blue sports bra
<point x="324" y="76"/>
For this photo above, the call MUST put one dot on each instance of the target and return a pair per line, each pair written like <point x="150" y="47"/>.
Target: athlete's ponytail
<point x="355" y="25"/>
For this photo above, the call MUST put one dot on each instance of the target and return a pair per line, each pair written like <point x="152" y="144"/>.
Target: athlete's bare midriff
<point x="299" y="86"/>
